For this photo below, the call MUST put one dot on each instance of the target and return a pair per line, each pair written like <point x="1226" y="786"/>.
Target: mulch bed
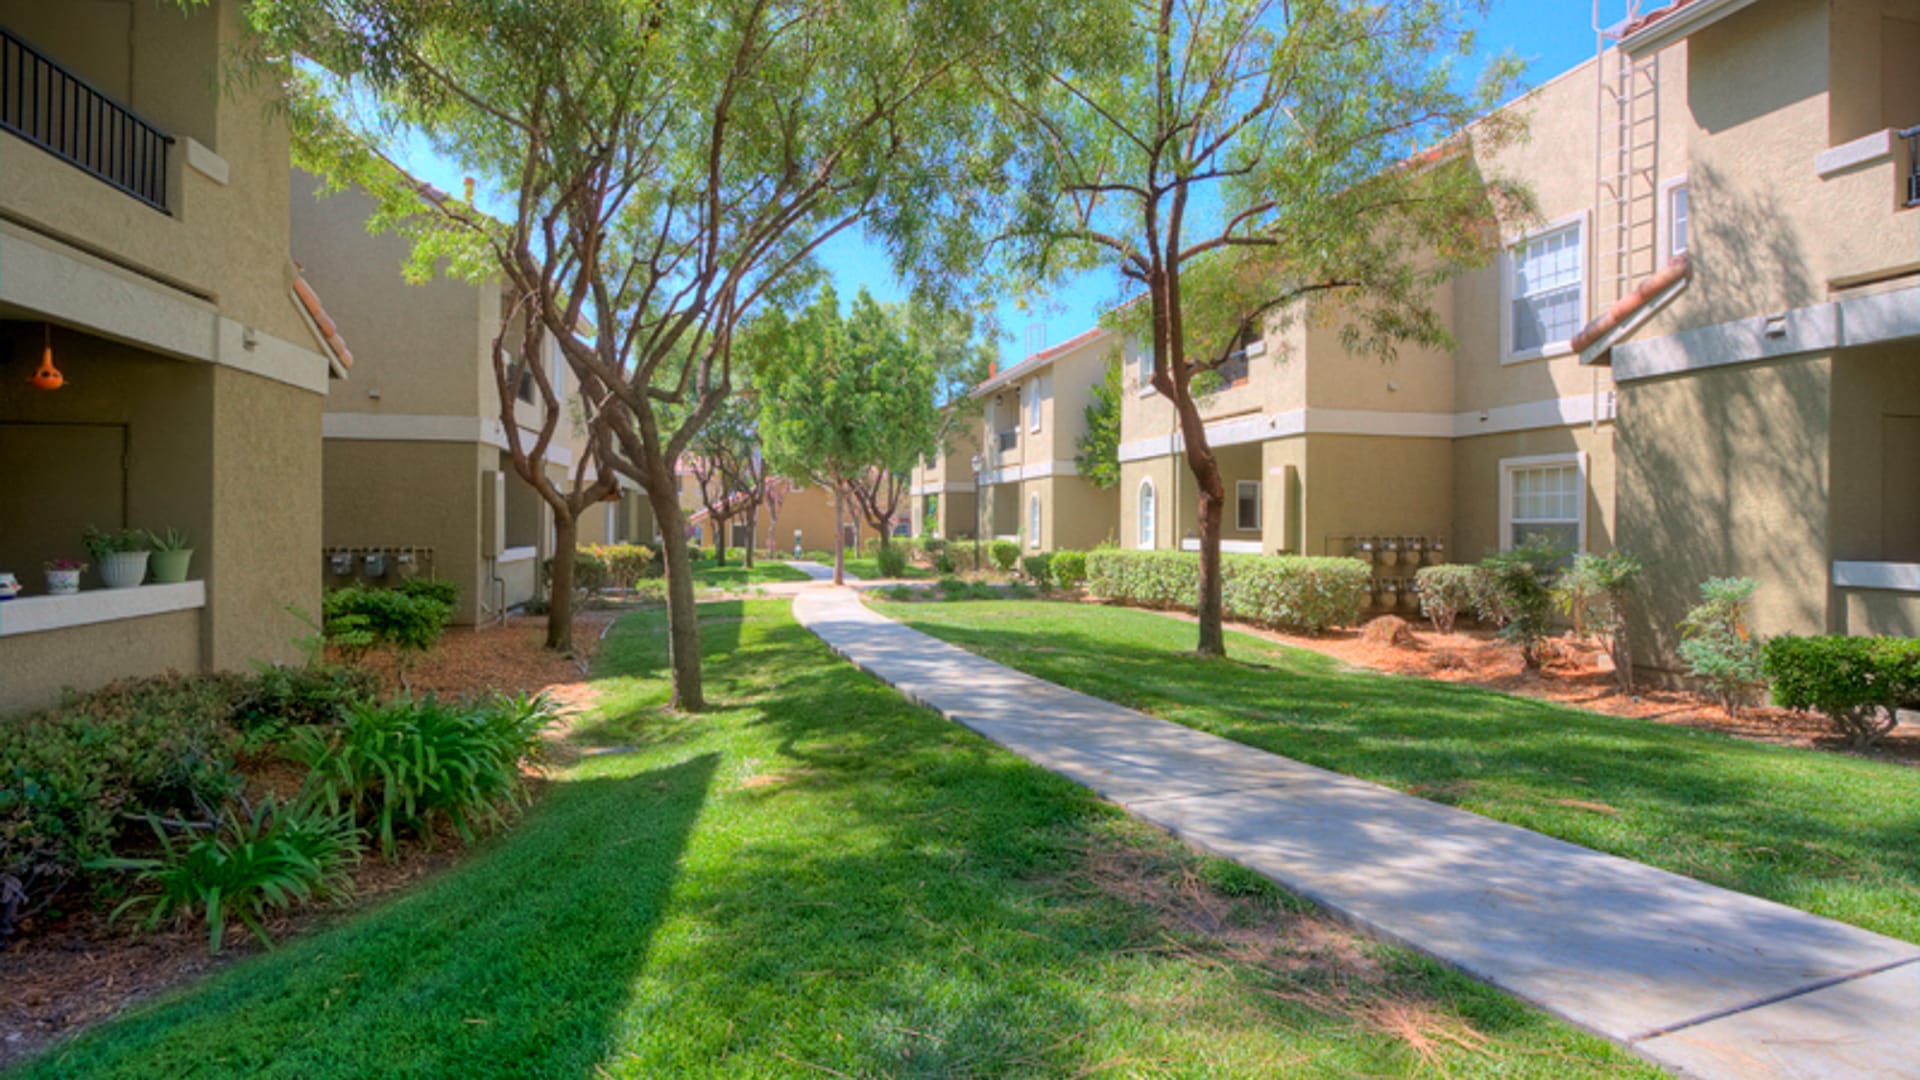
<point x="1580" y="675"/>
<point x="78" y="970"/>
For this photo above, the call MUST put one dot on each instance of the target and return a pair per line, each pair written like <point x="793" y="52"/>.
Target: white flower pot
<point x="63" y="582"/>
<point x="124" y="569"/>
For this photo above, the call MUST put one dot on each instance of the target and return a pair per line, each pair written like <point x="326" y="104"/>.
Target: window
<point x="1246" y="516"/>
<point x="1033" y="521"/>
<point x="1143" y="537"/>
<point x="1234" y="372"/>
<point x="1677" y="218"/>
<point x="1546" y="291"/>
<point x="1544" y="498"/>
<point x="1033" y="405"/>
<point x="524" y="389"/>
<point x="1143" y="363"/>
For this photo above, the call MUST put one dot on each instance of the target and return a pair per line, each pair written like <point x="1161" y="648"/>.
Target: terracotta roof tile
<point x="1636" y="25"/>
<point x="329" y="330"/>
<point x="1624" y="308"/>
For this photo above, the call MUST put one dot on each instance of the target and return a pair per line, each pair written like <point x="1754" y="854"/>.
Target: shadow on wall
<point x="1724" y="471"/>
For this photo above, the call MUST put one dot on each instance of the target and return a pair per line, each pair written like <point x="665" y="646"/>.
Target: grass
<point x="816" y="878"/>
<point x="1823" y="832"/>
<point x="735" y="576"/>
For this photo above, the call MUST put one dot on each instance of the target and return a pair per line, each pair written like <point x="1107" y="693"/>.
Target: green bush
<point x="1858" y="682"/>
<point x="1520" y="583"/>
<point x="1069" y="569"/>
<point x="1718" y="647"/>
<point x="437" y="589"/>
<point x="626" y="564"/>
<point x="1447" y="590"/>
<point x="1595" y="592"/>
<point x="1005" y="554"/>
<point x="1017" y="590"/>
<point x="358" y="619"/>
<point x="591" y="574"/>
<point x="1039" y="569"/>
<point x="280" y="697"/>
<point x="952" y="588"/>
<point x="892" y="560"/>
<point x="944" y="564"/>
<point x="932" y="545"/>
<point x="269" y="856"/>
<point x="400" y="765"/>
<point x="1295" y="592"/>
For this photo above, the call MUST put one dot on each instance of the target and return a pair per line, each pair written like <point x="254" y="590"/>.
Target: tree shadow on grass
<point x="517" y="964"/>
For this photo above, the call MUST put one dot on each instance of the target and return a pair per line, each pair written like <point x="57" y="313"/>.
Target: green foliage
<point x="1005" y="554"/>
<point x="359" y="619"/>
<point x="279" y="697"/>
<point x="439" y="590"/>
<point x="1447" y="590"/>
<point x="591" y="572"/>
<point x="1019" y="590"/>
<point x="170" y="540"/>
<point x="943" y="564"/>
<point x="1717" y="645"/>
<point x="401" y="765"/>
<point x="1039" y="569"/>
<point x="1069" y="569"/>
<point x="952" y="588"/>
<point x="104" y="542"/>
<point x="626" y="564"/>
<point x="255" y="859"/>
<point x="1520" y="583"/>
<point x="1097" y="451"/>
<point x="900" y="592"/>
<point x="1295" y="592"/>
<point x="932" y="546"/>
<point x="892" y="560"/>
<point x="1595" y="592"/>
<point x="1858" y="682"/>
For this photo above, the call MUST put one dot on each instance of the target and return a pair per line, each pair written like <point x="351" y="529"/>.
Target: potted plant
<point x="172" y="555"/>
<point x="122" y="555"/>
<point x="63" y="576"/>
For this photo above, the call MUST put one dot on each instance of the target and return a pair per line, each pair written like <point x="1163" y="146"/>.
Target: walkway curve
<point x="1702" y="980"/>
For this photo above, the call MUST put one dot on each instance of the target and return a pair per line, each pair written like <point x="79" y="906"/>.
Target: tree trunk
<point x="683" y="627"/>
<point x="839" y="534"/>
<point x="753" y="531"/>
<point x="720" y="541"/>
<point x="560" y="585"/>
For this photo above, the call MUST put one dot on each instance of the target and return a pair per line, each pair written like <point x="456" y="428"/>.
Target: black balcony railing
<point x="56" y="110"/>
<point x="1912" y="135"/>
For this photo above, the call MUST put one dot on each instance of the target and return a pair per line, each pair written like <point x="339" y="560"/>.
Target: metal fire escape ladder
<point x="1626" y="168"/>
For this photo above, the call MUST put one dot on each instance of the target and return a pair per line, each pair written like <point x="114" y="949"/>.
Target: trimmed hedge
<point x="1005" y="554"/>
<point x="1069" y="569"/>
<point x="1293" y="592"/>
<point x="1447" y="590"/>
<point x="1039" y="569"/>
<point x="1858" y="682"/>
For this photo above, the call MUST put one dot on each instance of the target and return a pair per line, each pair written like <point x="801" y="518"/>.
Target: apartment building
<point x="1705" y="350"/>
<point x="942" y="489"/>
<point x="157" y="368"/>
<point x="418" y="477"/>
<point x="798" y="518"/>
<point x="1035" y="414"/>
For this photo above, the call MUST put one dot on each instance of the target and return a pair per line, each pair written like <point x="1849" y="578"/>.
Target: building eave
<point x="1658" y="29"/>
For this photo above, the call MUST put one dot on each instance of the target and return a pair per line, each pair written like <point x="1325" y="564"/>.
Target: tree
<point x="714" y="497"/>
<point x="1245" y="162"/>
<point x="728" y="447"/>
<point x="848" y="403"/>
<point x="665" y="170"/>
<point x="1097" y="452"/>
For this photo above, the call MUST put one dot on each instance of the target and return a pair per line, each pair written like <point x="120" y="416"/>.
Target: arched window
<point x="1033" y="520"/>
<point x="1144" y="538"/>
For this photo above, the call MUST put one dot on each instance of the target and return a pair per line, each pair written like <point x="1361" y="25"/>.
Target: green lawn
<point x="1832" y="834"/>
<point x="818" y="879"/>
<point x="736" y="576"/>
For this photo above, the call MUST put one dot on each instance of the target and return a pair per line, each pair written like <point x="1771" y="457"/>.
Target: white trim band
<point x="942" y="487"/>
<point x="1838" y="324"/>
<point x="1227" y="547"/>
<point x="421" y="427"/>
<point x="1039" y="470"/>
<point x="1892" y="576"/>
<point x="515" y="554"/>
<point x="1550" y="413"/>
<point x="1864" y="150"/>
<point x="35" y="614"/>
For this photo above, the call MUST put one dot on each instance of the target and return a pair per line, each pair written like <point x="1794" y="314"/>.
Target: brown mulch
<point x="80" y="970"/>
<point x="1581" y="675"/>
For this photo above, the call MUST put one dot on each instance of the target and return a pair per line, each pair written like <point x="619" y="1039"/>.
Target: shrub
<point x="626" y="564"/>
<point x="952" y="588"/>
<point x="1595" y="591"/>
<point x="257" y="858"/>
<point x="943" y="564"/>
<point x="1519" y="585"/>
<point x="1858" y="682"/>
<point x="900" y="592"/>
<point x="1296" y="592"/>
<point x="892" y="560"/>
<point x="1718" y="647"/>
<point x="932" y="545"/>
<point x="1016" y="590"/>
<point x="280" y="697"/>
<point x="1447" y="590"/>
<point x="1039" y="569"/>
<point x="590" y="571"/>
<point x="400" y="765"/>
<point x="436" y="589"/>
<point x="1005" y="553"/>
<point x="1069" y="569"/>
<point x="358" y="619"/>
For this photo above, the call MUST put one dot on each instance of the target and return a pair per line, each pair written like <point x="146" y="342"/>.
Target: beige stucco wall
<point x="1476" y="484"/>
<point x="1374" y="486"/>
<point x="411" y="495"/>
<point x="41" y="666"/>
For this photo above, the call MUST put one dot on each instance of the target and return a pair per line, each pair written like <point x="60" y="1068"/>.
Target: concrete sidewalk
<point x="1705" y="981"/>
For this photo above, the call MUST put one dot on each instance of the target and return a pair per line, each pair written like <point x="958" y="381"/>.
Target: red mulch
<point x="67" y="974"/>
<point x="1580" y="675"/>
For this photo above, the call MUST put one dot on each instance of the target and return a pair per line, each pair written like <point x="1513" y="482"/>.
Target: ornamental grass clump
<point x="1595" y="592"/>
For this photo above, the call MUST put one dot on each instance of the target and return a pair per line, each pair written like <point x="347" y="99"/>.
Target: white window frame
<point x="1033" y="405"/>
<point x="1146" y="525"/>
<point x="1508" y="466"/>
<point x="1551" y="348"/>
<point x="1239" y="493"/>
<point x="1033" y="519"/>
<point x="1668" y="189"/>
<point x="1142" y="363"/>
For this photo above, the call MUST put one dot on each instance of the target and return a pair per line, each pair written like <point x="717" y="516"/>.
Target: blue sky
<point x="1550" y="36"/>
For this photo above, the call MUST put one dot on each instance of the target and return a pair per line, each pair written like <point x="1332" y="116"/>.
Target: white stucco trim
<point x="204" y="160"/>
<point x="71" y="287"/>
<point x="1039" y="470"/>
<point x="35" y="614"/>
<point x="942" y="487"/>
<point x="1864" y="150"/>
<point x="423" y="427"/>
<point x="516" y="554"/>
<point x="1227" y="547"/>
<point x="1837" y="324"/>
<point x="1892" y="576"/>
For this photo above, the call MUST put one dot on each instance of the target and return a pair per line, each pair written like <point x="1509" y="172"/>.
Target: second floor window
<point x="1677" y="219"/>
<point x="1033" y="406"/>
<point x="525" y="389"/>
<point x="1234" y="371"/>
<point x="1546" y="290"/>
